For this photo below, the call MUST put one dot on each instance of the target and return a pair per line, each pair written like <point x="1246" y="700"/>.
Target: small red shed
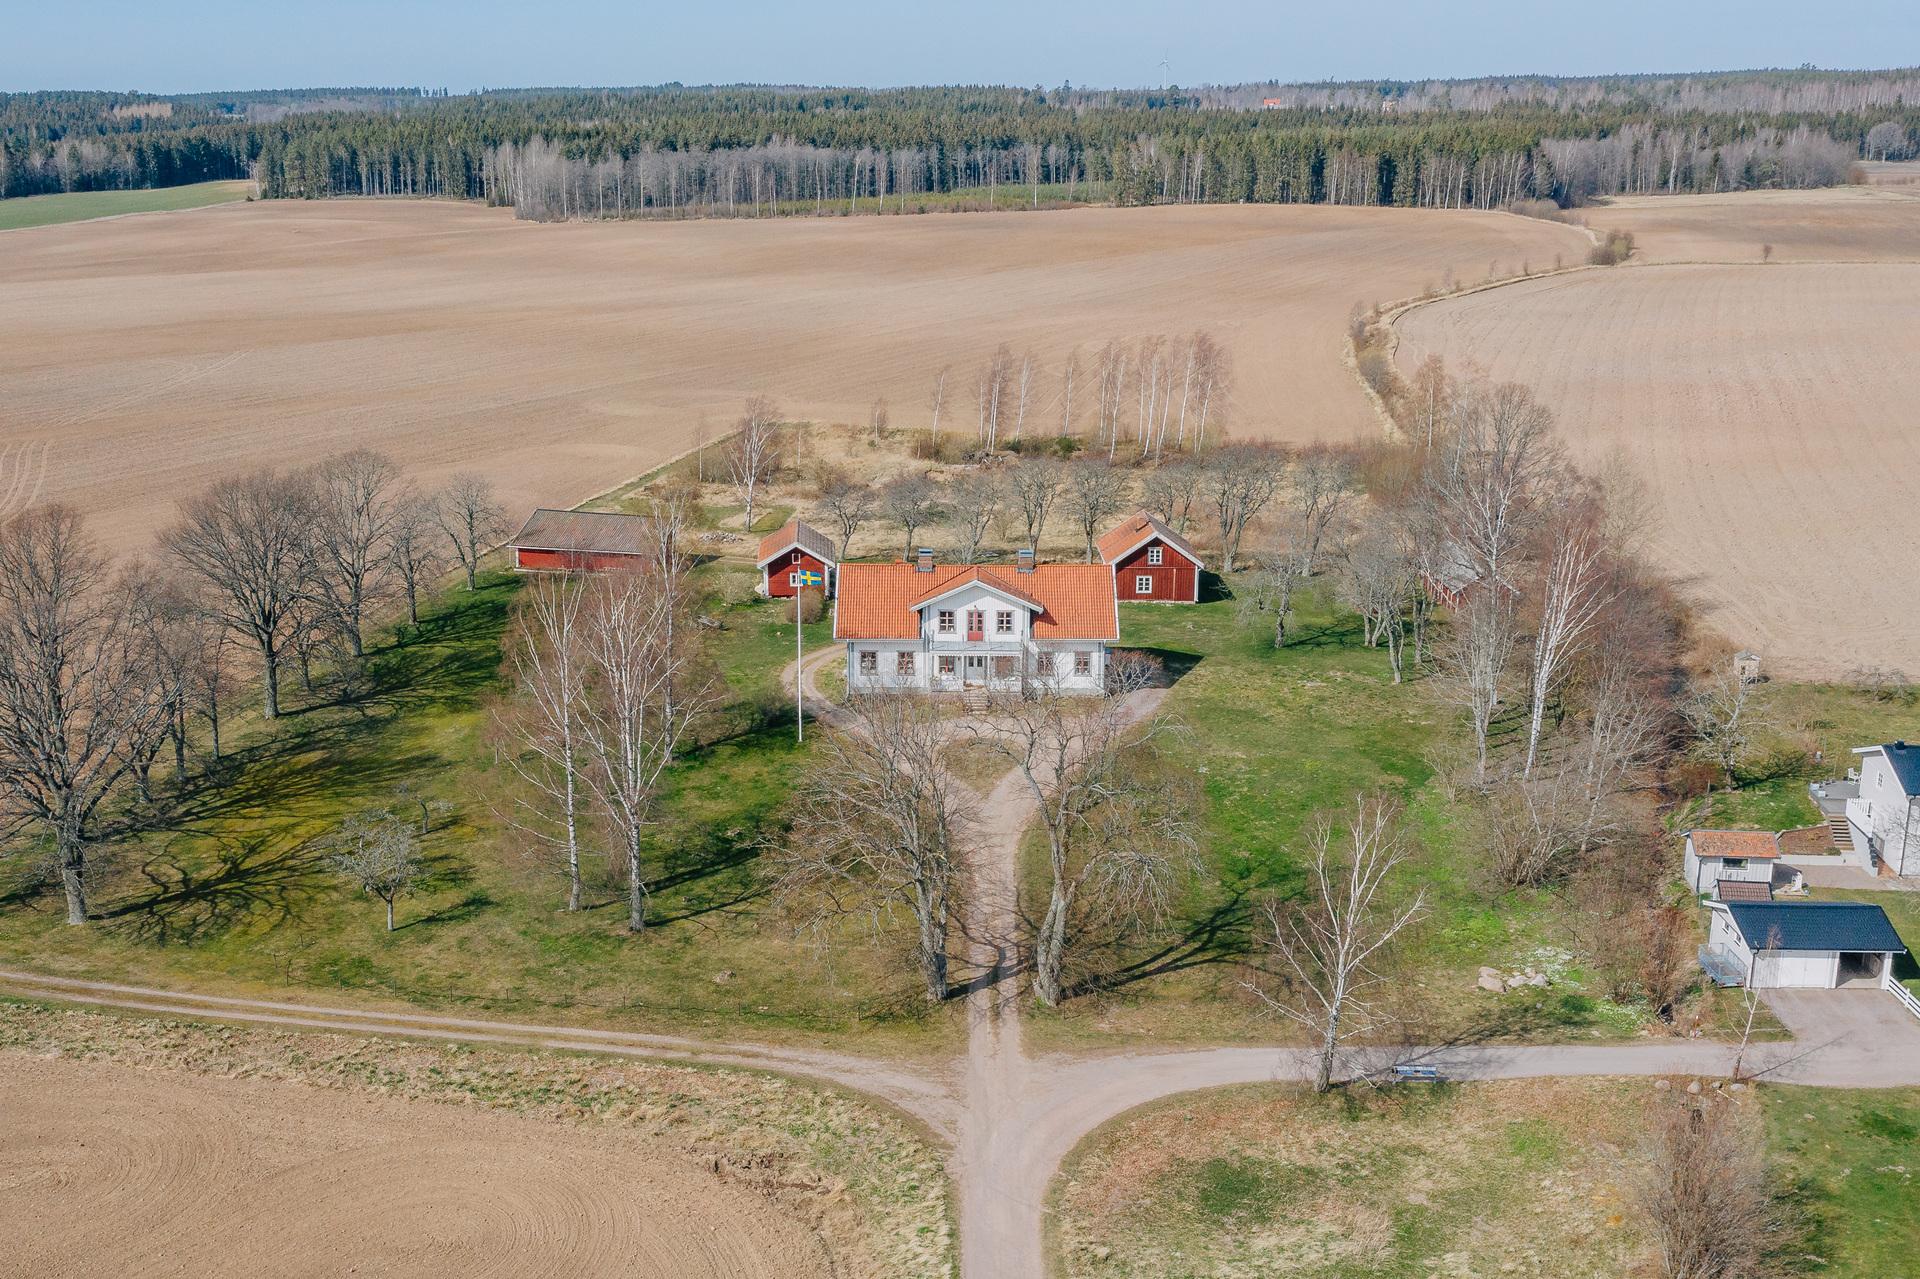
<point x="1151" y="562"/>
<point x="580" y="541"/>
<point x="790" y="550"/>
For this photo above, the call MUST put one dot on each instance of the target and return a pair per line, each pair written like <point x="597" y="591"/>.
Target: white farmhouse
<point x="1826" y="945"/>
<point x="926" y="627"/>
<point x="1884" y="818"/>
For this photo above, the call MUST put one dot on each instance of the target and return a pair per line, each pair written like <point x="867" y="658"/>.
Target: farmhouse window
<point x="1003" y="668"/>
<point x="903" y="663"/>
<point x="1083" y="663"/>
<point x="1003" y="622"/>
<point x="1142" y="585"/>
<point x="1734" y="863"/>
<point x="947" y="666"/>
<point x="796" y="557"/>
<point x="869" y="662"/>
<point x="793" y="579"/>
<point x="1154" y="554"/>
<point x="944" y="623"/>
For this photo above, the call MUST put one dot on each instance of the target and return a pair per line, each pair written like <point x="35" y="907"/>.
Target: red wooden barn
<point x="579" y="541"/>
<point x="790" y="550"/>
<point x="1151" y="562"/>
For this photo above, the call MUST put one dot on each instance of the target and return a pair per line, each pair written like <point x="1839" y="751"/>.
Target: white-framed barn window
<point x="1142" y="585"/>
<point x="1154" y="554"/>
<point x="793" y="580"/>
<point x="869" y="662"/>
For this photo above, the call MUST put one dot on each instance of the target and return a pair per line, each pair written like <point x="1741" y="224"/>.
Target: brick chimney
<point x="923" y="562"/>
<point x="1023" y="563"/>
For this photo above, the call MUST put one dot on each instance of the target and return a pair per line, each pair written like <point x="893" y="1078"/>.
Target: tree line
<point x="732" y="151"/>
<point x="102" y="673"/>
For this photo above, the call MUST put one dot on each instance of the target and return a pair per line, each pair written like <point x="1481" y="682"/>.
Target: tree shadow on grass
<point x="1175" y="664"/>
<point x="469" y="907"/>
<point x="241" y="880"/>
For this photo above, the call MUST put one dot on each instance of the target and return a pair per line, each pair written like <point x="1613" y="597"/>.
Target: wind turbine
<point x="1163" y="73"/>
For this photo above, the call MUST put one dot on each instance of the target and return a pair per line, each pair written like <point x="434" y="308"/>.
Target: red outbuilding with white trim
<point x="1151" y="562"/>
<point x="790" y="550"/>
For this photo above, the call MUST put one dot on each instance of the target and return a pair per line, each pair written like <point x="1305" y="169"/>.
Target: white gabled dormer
<point x="974" y="610"/>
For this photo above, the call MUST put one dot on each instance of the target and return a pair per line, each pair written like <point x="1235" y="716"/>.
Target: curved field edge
<point x="864" y="1179"/>
<point x="1761" y="405"/>
<point x="1453" y="1180"/>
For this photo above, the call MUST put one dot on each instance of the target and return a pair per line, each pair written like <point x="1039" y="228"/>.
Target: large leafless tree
<point x="1327" y="947"/>
<point x="471" y="517"/>
<point x="1093" y="494"/>
<point x="912" y="501"/>
<point x="79" y="701"/>
<point x="1035" y="483"/>
<point x="250" y="540"/>
<point x="755" y="453"/>
<point x="973" y="503"/>
<point x="355" y="505"/>
<point x="1239" y="483"/>
<point x="413" y="546"/>
<point x="848" y="505"/>
<point x="878" y="824"/>
<point x="541" y="728"/>
<point x="1118" y="826"/>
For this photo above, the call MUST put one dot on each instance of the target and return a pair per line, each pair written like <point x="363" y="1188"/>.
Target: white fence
<point x="1905" y="996"/>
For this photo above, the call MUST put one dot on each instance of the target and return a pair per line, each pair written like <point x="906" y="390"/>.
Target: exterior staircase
<point x="1842" y="833"/>
<point x="975" y="700"/>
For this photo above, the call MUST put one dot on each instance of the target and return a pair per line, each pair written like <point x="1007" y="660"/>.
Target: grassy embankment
<point x="1280" y="736"/>
<point x="232" y="893"/>
<point x="79" y="206"/>
<point x="1528" y="1177"/>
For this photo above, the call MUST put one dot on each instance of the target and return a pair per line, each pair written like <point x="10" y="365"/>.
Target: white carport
<point x="1817" y="945"/>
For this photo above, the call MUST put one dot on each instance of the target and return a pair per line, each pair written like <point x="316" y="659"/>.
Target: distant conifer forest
<point x="678" y="151"/>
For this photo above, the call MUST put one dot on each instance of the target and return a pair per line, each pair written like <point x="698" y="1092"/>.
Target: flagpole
<point x="799" y="672"/>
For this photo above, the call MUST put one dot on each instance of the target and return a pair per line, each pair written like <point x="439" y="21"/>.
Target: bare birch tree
<point x="1267" y="596"/>
<point x="1070" y="391"/>
<point x="79" y="702"/>
<point x="1380" y="584"/>
<point x="1093" y="494"/>
<point x="1118" y="829"/>
<point x="755" y="454"/>
<point x="936" y="402"/>
<point x="1475" y="657"/>
<point x="1328" y="948"/>
<point x="1719" y="710"/>
<point x="541" y="730"/>
<point x="354" y="512"/>
<point x="1705" y="1189"/>
<point x="249" y="539"/>
<point x="878" y="825"/>
<point x="647" y="694"/>
<point x="1490" y="482"/>
<point x="471" y="517"/>
<point x="1575" y="595"/>
<point x="1321" y="481"/>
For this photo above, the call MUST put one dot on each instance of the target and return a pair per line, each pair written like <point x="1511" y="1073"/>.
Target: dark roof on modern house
<point x="1815" y="926"/>
<point x="791" y="534"/>
<point x="1905" y="759"/>
<point x="603" y="531"/>
<point x="1134" y="532"/>
<point x="1742" y="890"/>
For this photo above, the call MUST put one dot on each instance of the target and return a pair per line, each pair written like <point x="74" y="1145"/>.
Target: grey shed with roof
<point x="1825" y="945"/>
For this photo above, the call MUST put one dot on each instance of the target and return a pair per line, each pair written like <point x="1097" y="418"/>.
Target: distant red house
<point x="790" y="550"/>
<point x="1151" y="562"/>
<point x="579" y="541"/>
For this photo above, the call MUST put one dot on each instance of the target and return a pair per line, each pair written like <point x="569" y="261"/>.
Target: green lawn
<point x="45" y="210"/>
<point x="1524" y="1177"/>
<point x="232" y="895"/>
<point x="1278" y="737"/>
<point x="1796" y="722"/>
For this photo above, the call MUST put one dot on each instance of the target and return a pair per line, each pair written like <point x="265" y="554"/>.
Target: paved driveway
<point x="1848" y="1023"/>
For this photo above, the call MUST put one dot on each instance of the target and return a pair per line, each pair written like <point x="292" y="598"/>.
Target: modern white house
<point x="1883" y="819"/>
<point x="1731" y="857"/>
<point x="1822" y="945"/>
<point x="927" y="627"/>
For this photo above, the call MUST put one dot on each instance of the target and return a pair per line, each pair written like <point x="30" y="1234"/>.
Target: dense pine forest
<point x="759" y="151"/>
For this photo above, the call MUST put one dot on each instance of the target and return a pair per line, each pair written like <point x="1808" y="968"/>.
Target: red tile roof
<point x="1734" y="843"/>
<point x="1134" y="531"/>
<point x="791" y="534"/>
<point x="878" y="601"/>
<point x="1742" y="890"/>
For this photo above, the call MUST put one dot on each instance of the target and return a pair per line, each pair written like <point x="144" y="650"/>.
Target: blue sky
<point x="191" y="45"/>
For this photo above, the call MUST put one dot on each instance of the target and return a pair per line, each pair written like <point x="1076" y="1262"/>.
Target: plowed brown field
<point x="154" y="353"/>
<point x="105" y="1169"/>
<point x="1878" y="223"/>
<point x="1772" y="409"/>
